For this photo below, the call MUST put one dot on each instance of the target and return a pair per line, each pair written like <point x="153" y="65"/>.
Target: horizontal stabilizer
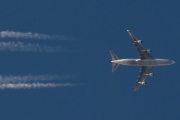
<point x="114" y="57"/>
<point x="114" y="67"/>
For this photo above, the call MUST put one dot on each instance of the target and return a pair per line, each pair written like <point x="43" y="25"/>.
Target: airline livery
<point x="146" y="61"/>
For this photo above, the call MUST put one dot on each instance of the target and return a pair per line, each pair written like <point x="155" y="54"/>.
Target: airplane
<point x="146" y="61"/>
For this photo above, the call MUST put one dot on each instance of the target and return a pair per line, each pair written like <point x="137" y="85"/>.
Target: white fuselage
<point x="145" y="62"/>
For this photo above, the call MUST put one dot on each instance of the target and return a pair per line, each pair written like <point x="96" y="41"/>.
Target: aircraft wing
<point x="144" y="71"/>
<point x="143" y="54"/>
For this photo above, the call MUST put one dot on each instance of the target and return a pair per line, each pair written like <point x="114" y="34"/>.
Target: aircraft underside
<point x="146" y="61"/>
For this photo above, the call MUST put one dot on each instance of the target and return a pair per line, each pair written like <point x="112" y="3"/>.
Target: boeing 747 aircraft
<point x="146" y="61"/>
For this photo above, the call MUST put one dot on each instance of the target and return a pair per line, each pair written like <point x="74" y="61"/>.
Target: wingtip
<point x="135" y="90"/>
<point x="110" y="51"/>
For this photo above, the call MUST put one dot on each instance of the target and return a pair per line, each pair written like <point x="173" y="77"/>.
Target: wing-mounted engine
<point x="138" y="41"/>
<point x="142" y="83"/>
<point x="148" y="50"/>
<point x="150" y="74"/>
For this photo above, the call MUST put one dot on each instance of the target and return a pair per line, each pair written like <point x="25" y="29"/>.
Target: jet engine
<point x="150" y="74"/>
<point x="142" y="83"/>
<point x="140" y="41"/>
<point x="148" y="50"/>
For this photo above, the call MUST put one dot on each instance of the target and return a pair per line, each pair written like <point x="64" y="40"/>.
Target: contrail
<point x="34" y="81"/>
<point x="29" y="35"/>
<point x="29" y="47"/>
<point x="33" y="78"/>
<point x="34" y="85"/>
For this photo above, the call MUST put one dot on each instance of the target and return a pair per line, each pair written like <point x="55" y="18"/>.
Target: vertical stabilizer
<point x="114" y="57"/>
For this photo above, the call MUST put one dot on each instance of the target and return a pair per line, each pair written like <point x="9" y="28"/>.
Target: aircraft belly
<point x="130" y="62"/>
<point x="140" y="63"/>
<point x="145" y="60"/>
<point x="147" y="63"/>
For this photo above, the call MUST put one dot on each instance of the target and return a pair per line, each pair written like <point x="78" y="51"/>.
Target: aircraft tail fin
<point x="114" y="57"/>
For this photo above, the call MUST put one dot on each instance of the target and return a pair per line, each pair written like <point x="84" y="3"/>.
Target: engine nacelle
<point x="148" y="50"/>
<point x="140" y="41"/>
<point x="142" y="83"/>
<point x="150" y="74"/>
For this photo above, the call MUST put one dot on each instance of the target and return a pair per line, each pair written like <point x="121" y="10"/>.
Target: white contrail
<point x="34" y="85"/>
<point x="29" y="47"/>
<point x="28" y="35"/>
<point x="33" y="78"/>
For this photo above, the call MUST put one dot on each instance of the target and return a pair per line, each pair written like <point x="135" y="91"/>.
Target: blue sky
<point x="90" y="29"/>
